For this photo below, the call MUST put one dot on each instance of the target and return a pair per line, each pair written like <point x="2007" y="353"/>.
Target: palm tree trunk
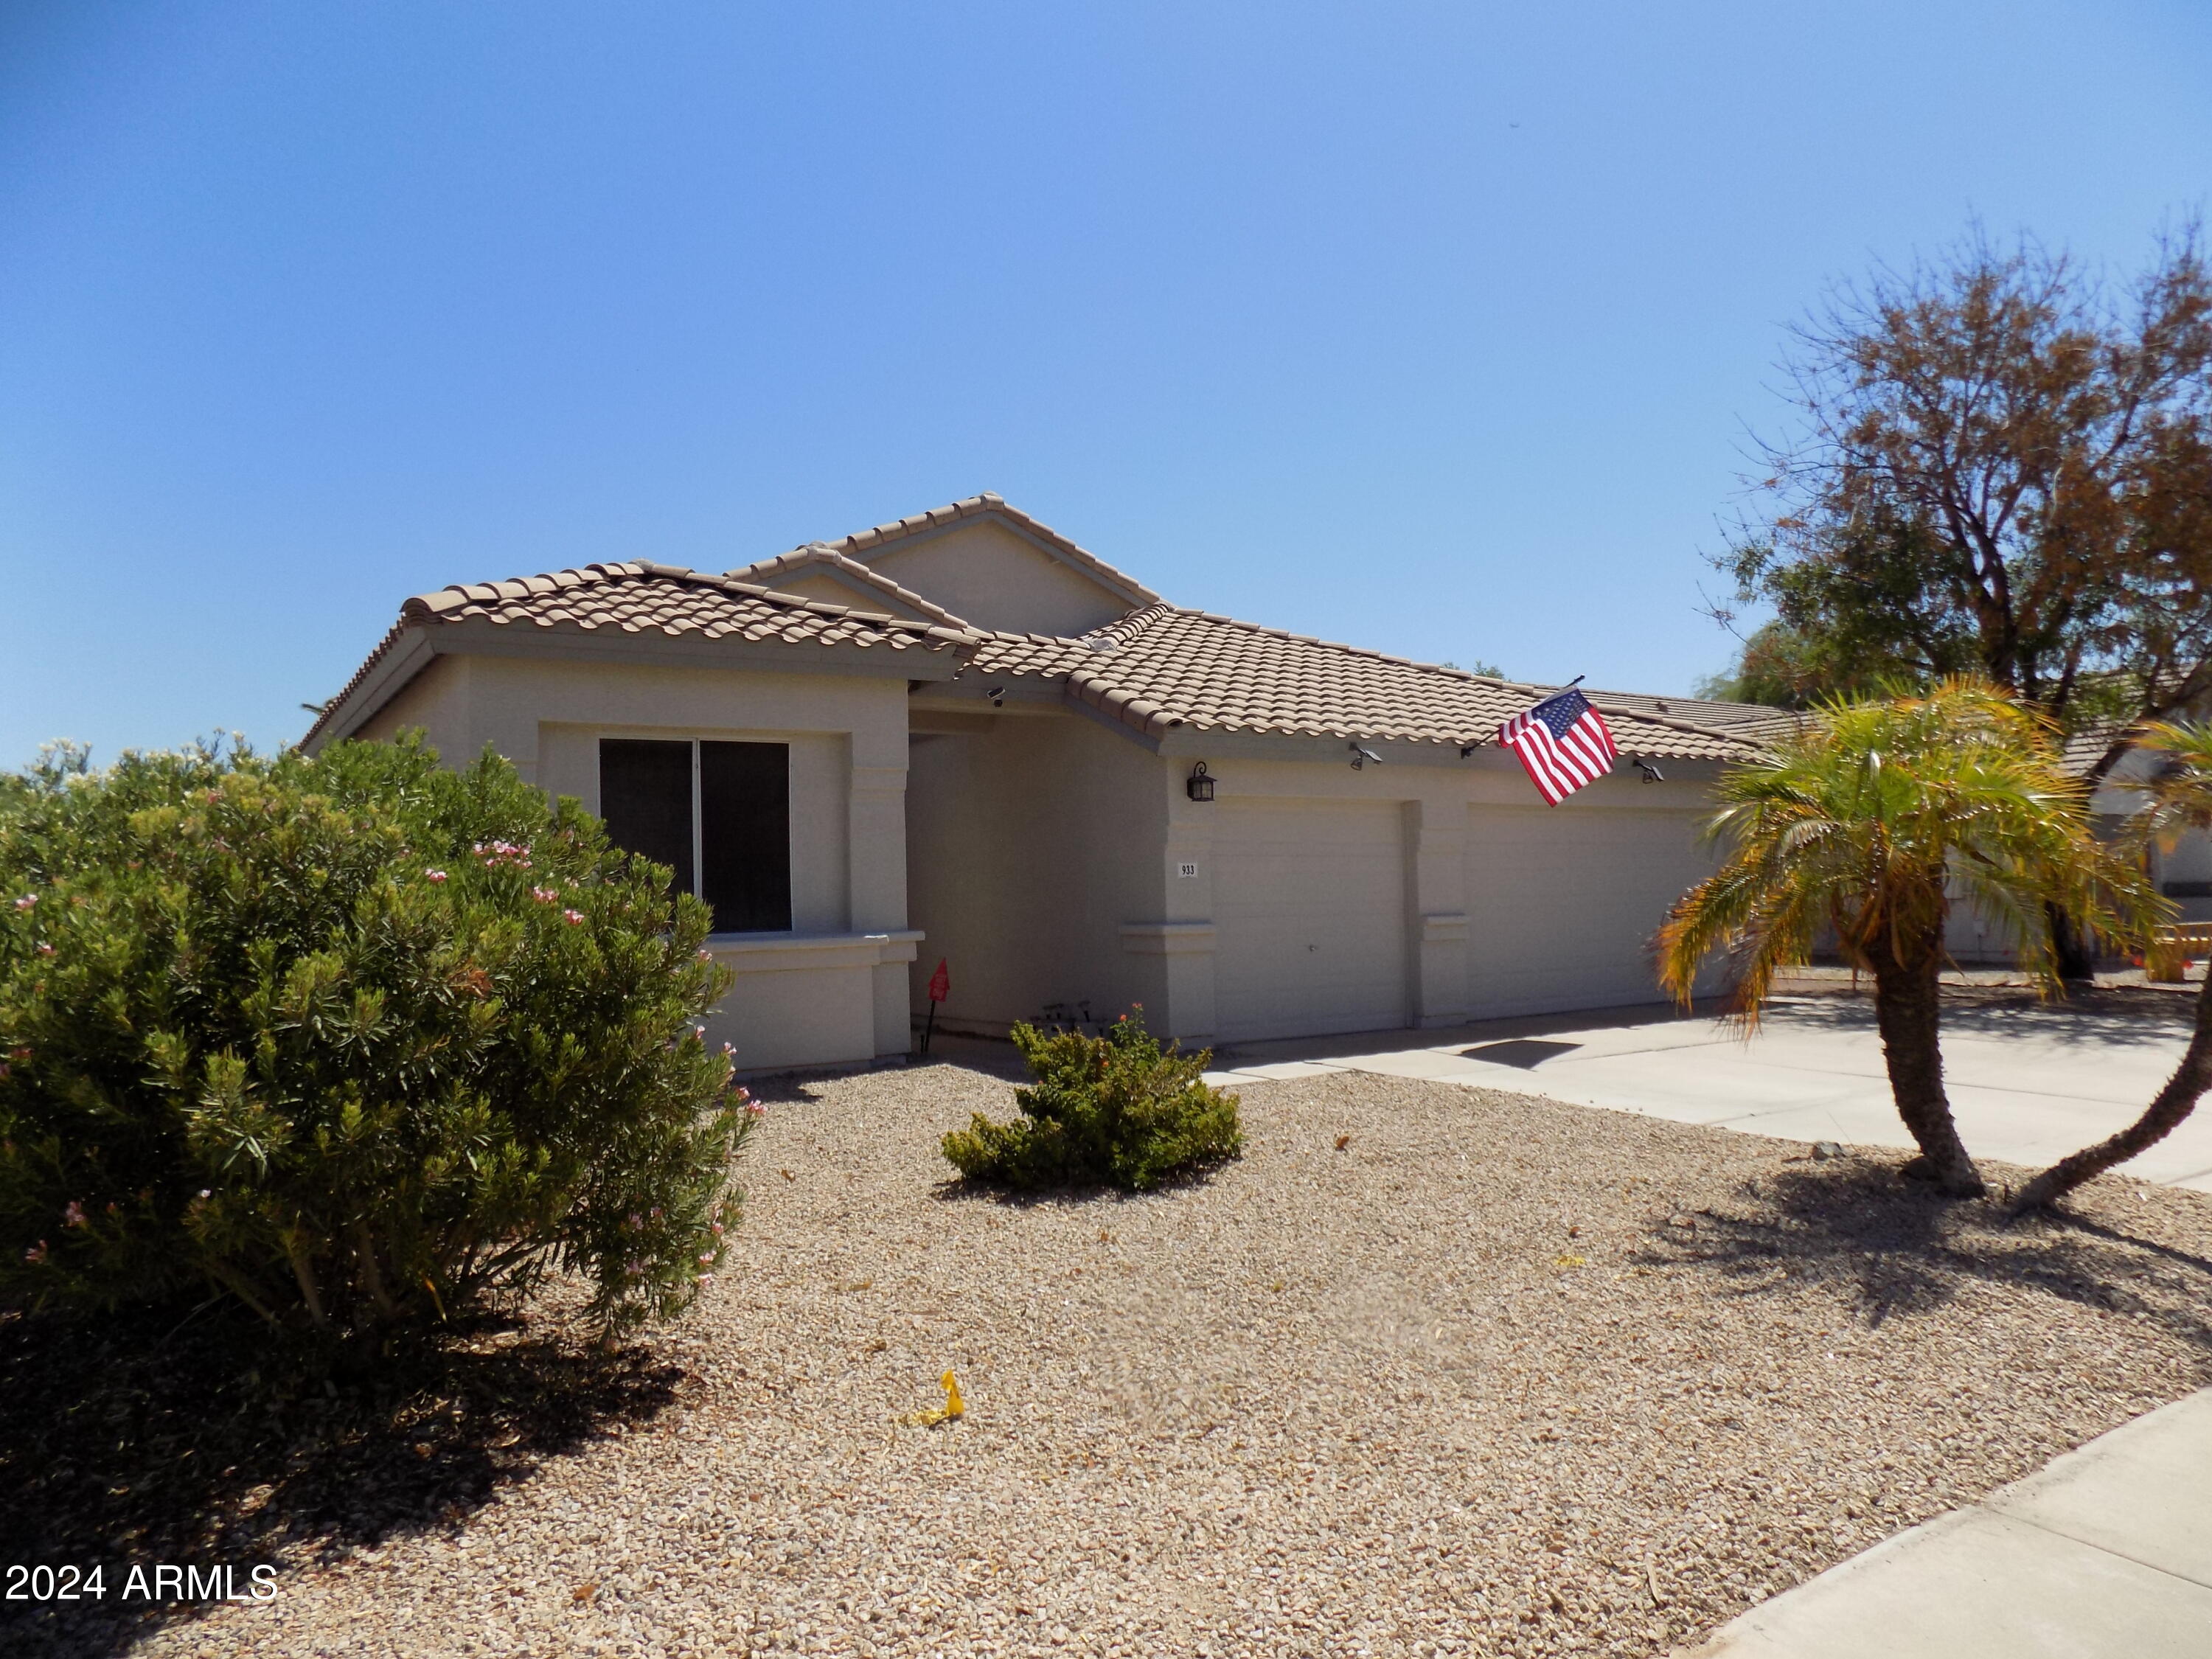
<point x="1908" y="1012"/>
<point x="2076" y="955"/>
<point x="2165" y="1113"/>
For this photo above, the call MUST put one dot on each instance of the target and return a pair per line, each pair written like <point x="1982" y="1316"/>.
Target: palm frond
<point x="1878" y="812"/>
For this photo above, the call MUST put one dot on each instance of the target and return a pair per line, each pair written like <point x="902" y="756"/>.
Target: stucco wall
<point x="824" y="994"/>
<point x="1046" y="861"/>
<point x="1028" y="845"/>
<point x="989" y="575"/>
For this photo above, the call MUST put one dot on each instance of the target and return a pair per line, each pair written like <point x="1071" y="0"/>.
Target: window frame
<point x="696" y="744"/>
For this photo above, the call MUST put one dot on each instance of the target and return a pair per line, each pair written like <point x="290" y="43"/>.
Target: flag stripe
<point x="1562" y="744"/>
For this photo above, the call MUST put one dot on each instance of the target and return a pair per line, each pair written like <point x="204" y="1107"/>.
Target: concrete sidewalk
<point x="2028" y="1082"/>
<point x="2106" y="1553"/>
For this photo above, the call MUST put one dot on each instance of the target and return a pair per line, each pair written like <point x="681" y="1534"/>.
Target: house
<point x="963" y="737"/>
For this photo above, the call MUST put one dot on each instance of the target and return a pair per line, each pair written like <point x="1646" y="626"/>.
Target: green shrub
<point x="1114" y="1110"/>
<point x="358" y="1040"/>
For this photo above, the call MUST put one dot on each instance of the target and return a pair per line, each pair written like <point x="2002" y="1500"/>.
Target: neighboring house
<point x="961" y="737"/>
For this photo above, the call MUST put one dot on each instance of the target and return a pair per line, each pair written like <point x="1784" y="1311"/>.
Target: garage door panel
<point x="1308" y="909"/>
<point x="1563" y="906"/>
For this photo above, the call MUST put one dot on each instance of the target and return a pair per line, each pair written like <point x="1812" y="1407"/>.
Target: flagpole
<point x="1468" y="749"/>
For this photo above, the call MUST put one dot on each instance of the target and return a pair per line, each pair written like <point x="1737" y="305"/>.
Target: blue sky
<point x="1437" y="329"/>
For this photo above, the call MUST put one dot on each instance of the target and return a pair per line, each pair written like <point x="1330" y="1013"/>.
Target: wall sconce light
<point x="1199" y="786"/>
<point x="1651" y="773"/>
<point x="997" y="694"/>
<point x="1361" y="756"/>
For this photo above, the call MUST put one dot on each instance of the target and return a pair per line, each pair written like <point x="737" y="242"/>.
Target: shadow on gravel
<point x="1904" y="1252"/>
<point x="128" y="1440"/>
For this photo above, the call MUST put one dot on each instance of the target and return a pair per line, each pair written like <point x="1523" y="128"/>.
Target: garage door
<point x="1562" y="905"/>
<point x="1308" y="913"/>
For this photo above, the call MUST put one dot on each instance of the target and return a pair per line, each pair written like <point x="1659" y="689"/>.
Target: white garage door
<point x="1562" y="905"/>
<point x="1308" y="912"/>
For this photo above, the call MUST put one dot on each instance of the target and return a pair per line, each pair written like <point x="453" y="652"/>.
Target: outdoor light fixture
<point x="1361" y="756"/>
<point x="997" y="694"/>
<point x="1467" y="748"/>
<point x="1198" y="786"/>
<point x="1651" y="773"/>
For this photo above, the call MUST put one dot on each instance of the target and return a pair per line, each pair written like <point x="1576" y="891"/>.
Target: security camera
<point x="997" y="694"/>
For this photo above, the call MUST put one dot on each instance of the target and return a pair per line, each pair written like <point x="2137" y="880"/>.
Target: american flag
<point x="1562" y="743"/>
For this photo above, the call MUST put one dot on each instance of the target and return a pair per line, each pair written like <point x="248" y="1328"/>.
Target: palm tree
<point x="2180" y="798"/>
<point x="1869" y="821"/>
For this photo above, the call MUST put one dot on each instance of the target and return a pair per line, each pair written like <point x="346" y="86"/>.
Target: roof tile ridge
<point x="423" y="607"/>
<point x="989" y="501"/>
<point x="1130" y="709"/>
<point x="383" y="648"/>
<point x="1672" y="721"/>
<point x="824" y="553"/>
<point x="795" y="602"/>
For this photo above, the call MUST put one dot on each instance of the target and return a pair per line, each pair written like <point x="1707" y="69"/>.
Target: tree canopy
<point x="2003" y="464"/>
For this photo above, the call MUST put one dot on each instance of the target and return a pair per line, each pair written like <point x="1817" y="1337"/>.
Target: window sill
<point x="759" y="952"/>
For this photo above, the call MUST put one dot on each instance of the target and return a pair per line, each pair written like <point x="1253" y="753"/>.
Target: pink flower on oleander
<point x="74" y="1215"/>
<point x="708" y="1260"/>
<point x="754" y="1108"/>
<point x="46" y="950"/>
<point x="435" y="875"/>
<point x="36" y="1254"/>
<point x="717" y="1226"/>
<point x="702" y="1279"/>
<point x="572" y="917"/>
<point x="30" y="899"/>
<point x="206" y="1192"/>
<point x="544" y="894"/>
<point x="729" y="1048"/>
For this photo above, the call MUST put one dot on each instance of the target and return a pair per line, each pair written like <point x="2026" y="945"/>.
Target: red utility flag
<point x="940" y="982"/>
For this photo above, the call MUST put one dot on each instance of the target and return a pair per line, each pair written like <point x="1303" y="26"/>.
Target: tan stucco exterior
<point x="1040" y="840"/>
<point x="1046" y="854"/>
<point x="996" y="577"/>
<point x="834" y="989"/>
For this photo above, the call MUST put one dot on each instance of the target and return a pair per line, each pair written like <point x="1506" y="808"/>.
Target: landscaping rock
<point x="1323" y="1402"/>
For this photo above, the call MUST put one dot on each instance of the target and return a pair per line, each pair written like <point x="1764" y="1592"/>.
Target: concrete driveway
<point x="2029" y="1082"/>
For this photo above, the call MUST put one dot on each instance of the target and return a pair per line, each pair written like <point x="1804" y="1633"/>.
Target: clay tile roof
<point x="988" y="502"/>
<point x="655" y="598"/>
<point x="1156" y="668"/>
<point x="1162" y="667"/>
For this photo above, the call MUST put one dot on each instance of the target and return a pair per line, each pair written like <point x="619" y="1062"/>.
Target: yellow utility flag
<point x="953" y="1407"/>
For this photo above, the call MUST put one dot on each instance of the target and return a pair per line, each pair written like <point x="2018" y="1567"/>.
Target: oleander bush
<point x="1114" y="1110"/>
<point x="368" y="1044"/>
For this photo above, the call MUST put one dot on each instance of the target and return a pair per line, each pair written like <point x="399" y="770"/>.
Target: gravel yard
<point x="1499" y="1377"/>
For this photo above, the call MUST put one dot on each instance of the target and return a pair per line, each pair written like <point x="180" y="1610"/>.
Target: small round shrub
<point x="362" y="1042"/>
<point x="1114" y="1110"/>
